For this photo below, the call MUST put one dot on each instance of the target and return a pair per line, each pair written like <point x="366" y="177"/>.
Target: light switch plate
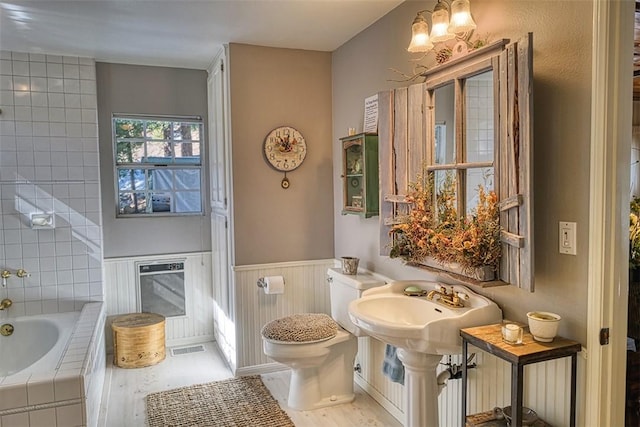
<point x="567" y="238"/>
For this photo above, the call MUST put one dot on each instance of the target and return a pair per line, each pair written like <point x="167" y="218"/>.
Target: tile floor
<point x="125" y="389"/>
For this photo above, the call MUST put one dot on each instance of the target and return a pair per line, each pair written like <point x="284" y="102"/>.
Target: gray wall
<point x="272" y="87"/>
<point x="562" y="89"/>
<point x="148" y="90"/>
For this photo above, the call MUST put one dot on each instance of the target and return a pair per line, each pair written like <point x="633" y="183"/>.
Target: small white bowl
<point x="543" y="325"/>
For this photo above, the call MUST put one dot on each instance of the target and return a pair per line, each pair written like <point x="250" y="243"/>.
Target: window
<point x="158" y="165"/>
<point x="468" y="163"/>
<point x="469" y="125"/>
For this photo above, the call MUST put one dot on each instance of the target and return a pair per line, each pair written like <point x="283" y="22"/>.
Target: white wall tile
<point x="19" y="56"/>
<point x="6" y="97"/>
<point x="54" y="59"/>
<point x="6" y="67"/>
<point x="71" y="85"/>
<point x="39" y="99"/>
<point x="42" y="418"/>
<point x="15" y="420"/>
<point x="54" y="70"/>
<point x="55" y="85"/>
<point x="21" y="98"/>
<point x="40" y="114"/>
<point x="13" y="396"/>
<point x="37" y="69"/>
<point x="69" y="416"/>
<point x="21" y="83"/>
<point x="38" y="84"/>
<point x="7" y="112"/>
<point x="45" y="105"/>
<point x="56" y="100"/>
<point x="70" y="59"/>
<point x="20" y="68"/>
<point x="37" y="57"/>
<point x="22" y="113"/>
<point x="71" y="71"/>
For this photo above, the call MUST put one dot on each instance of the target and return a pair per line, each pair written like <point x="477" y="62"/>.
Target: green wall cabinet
<point x="360" y="174"/>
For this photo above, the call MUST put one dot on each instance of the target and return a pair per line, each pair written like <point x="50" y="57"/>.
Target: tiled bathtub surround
<point x="49" y="163"/>
<point x="68" y="395"/>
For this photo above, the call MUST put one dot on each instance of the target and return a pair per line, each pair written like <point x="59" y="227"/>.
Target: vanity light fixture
<point x="445" y="25"/>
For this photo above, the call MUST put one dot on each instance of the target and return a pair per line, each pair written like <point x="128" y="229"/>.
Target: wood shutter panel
<point x="516" y="164"/>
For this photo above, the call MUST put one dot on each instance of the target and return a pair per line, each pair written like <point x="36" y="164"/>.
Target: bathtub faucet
<point x="5" y="275"/>
<point x="5" y="303"/>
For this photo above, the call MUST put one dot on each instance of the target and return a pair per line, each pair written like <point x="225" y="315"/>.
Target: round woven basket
<point x="138" y="340"/>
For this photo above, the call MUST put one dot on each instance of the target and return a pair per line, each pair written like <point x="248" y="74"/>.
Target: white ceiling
<point x="180" y="33"/>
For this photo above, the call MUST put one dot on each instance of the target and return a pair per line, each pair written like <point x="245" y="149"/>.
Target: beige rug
<point x="237" y="402"/>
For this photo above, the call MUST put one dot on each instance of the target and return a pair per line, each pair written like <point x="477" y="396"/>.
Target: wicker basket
<point x="138" y="340"/>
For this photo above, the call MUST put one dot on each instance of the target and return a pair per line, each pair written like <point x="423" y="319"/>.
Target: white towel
<point x="392" y="367"/>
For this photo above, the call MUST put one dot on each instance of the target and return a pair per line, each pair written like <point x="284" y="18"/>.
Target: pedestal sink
<point x="423" y="330"/>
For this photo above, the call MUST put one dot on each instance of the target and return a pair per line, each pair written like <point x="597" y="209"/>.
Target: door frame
<point x="611" y="109"/>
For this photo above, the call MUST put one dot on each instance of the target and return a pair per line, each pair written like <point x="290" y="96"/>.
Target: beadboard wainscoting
<point x="121" y="296"/>
<point x="306" y="291"/>
<point x="546" y="386"/>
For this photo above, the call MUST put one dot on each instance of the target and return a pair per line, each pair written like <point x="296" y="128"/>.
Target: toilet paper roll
<point x="274" y="285"/>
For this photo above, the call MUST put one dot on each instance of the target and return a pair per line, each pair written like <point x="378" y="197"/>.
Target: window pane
<point x="158" y="130"/>
<point x="158" y="152"/>
<point x="186" y="131"/>
<point x="445" y="146"/>
<point x="131" y="179"/>
<point x="161" y="179"/>
<point x="446" y="195"/>
<point x="128" y="128"/>
<point x="188" y="152"/>
<point x="187" y="179"/>
<point x="161" y="202"/>
<point x="131" y="203"/>
<point x="475" y="178"/>
<point x="129" y="152"/>
<point x="188" y="201"/>
<point x="479" y="117"/>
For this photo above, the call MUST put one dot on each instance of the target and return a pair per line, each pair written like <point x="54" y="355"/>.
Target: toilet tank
<point x="345" y="288"/>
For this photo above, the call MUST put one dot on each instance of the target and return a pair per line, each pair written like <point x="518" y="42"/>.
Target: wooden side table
<point x="489" y="338"/>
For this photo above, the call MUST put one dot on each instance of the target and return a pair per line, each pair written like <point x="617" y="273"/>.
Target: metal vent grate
<point x="179" y="351"/>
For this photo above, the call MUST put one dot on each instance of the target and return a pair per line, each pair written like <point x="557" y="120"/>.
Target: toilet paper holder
<point x="262" y="283"/>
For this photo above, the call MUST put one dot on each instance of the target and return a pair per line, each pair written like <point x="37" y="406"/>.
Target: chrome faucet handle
<point x="22" y="273"/>
<point x="5" y="274"/>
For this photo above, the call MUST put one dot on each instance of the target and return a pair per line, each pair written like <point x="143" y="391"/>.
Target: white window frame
<point x="148" y="167"/>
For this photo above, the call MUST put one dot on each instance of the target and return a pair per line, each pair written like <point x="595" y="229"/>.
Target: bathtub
<point x="52" y="368"/>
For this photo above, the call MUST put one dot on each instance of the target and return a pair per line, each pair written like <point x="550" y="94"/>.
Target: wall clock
<point x="285" y="149"/>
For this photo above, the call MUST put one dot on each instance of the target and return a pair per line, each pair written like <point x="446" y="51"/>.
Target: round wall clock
<point x="285" y="149"/>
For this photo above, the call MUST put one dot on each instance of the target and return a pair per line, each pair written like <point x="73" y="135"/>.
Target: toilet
<point x="320" y="350"/>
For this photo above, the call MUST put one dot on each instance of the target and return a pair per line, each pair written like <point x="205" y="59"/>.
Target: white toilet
<point x="319" y="350"/>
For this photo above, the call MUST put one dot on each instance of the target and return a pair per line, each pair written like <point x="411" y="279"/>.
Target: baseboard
<point x="378" y="397"/>
<point x="266" y="368"/>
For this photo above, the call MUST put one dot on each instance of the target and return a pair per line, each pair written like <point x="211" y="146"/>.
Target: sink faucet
<point x="5" y="303"/>
<point x="452" y="299"/>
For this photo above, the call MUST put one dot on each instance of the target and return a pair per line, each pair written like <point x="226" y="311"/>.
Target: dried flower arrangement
<point x="438" y="232"/>
<point x="634" y="234"/>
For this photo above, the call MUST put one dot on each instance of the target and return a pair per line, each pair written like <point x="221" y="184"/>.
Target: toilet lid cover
<point x="301" y="328"/>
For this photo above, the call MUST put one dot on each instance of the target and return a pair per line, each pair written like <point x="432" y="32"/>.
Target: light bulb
<point x="420" y="35"/>
<point x="440" y="21"/>
<point x="461" y="19"/>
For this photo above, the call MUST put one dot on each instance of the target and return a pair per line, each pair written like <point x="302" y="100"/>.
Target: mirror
<point x="479" y="134"/>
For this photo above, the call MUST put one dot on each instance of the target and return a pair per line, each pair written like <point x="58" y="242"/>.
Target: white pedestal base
<point x="420" y="388"/>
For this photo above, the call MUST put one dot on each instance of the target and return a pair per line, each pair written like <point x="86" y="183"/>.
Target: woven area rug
<point x="237" y="402"/>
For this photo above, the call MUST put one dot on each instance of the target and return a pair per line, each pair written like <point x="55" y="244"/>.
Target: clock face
<point x="285" y="148"/>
